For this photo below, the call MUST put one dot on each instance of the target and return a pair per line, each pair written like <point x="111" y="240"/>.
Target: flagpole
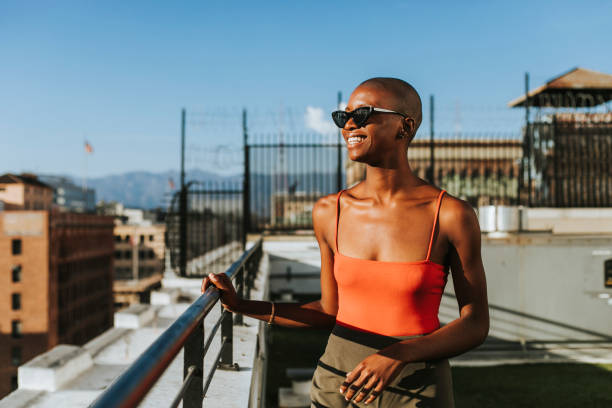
<point x="85" y="167"/>
<point x="88" y="150"/>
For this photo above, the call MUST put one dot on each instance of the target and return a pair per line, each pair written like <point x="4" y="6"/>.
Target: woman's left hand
<point x="374" y="373"/>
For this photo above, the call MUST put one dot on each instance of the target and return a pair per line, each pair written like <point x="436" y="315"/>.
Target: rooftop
<point x="579" y="87"/>
<point x="25" y="178"/>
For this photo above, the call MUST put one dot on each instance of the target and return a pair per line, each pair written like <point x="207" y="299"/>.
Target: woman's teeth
<point x="355" y="140"/>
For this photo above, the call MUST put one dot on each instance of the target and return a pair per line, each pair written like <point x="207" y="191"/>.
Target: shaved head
<point x="402" y="96"/>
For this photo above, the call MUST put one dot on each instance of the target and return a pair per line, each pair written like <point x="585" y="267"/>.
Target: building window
<point x="127" y="254"/>
<point x="117" y="254"/>
<point x="16" y="272"/>
<point x="141" y="254"/>
<point x="142" y="239"/>
<point x="150" y="237"/>
<point x="127" y="238"/>
<point x="16" y="356"/>
<point x="16" y="301"/>
<point x="13" y="382"/>
<point x="16" y="329"/>
<point x="117" y="238"/>
<point x="16" y="246"/>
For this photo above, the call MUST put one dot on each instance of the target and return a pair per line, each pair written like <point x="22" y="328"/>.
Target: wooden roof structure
<point x="576" y="88"/>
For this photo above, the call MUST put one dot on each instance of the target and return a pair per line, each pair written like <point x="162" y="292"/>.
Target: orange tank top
<point x="389" y="298"/>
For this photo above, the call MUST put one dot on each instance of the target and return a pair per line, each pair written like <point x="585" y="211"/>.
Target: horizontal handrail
<point x="133" y="385"/>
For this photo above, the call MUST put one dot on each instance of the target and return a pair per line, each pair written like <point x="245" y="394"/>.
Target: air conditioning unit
<point x="502" y="218"/>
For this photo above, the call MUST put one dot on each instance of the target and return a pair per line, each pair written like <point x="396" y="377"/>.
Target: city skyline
<point x="117" y="75"/>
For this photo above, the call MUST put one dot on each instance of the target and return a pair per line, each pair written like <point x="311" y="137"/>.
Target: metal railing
<point x="187" y="331"/>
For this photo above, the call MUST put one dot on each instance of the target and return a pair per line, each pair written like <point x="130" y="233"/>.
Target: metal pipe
<point x="191" y="371"/>
<point x="339" y="169"/>
<point x="246" y="187"/>
<point x="528" y="139"/>
<point x="432" y="177"/>
<point x="183" y="205"/>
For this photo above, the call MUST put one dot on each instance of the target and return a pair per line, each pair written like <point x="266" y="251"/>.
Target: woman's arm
<point x="460" y="224"/>
<point x="320" y="313"/>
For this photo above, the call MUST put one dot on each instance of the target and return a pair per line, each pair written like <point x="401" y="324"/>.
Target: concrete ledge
<point x="20" y="399"/>
<point x="570" y="220"/>
<point x="56" y="367"/>
<point x="103" y="340"/>
<point x="166" y="296"/>
<point x="134" y="317"/>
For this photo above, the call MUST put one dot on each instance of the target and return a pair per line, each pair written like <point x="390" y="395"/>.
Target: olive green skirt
<point x="421" y="384"/>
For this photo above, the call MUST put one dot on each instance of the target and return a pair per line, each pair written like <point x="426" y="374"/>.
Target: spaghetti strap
<point x="433" y="228"/>
<point x="337" y="216"/>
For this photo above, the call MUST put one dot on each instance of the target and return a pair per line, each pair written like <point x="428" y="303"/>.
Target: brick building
<point x="56" y="284"/>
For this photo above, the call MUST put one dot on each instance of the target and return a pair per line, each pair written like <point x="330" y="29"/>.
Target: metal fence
<point x="568" y="161"/>
<point x="550" y="162"/>
<point x="287" y="174"/>
<point x="188" y="332"/>
<point x="205" y="229"/>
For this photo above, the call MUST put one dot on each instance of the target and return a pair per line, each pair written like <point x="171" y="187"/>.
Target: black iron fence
<point x="568" y="161"/>
<point x="287" y="174"/>
<point x="554" y="161"/>
<point x="205" y="229"/>
<point x="188" y="332"/>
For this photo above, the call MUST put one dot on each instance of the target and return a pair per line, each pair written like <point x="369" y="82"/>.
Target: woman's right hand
<point x="229" y="297"/>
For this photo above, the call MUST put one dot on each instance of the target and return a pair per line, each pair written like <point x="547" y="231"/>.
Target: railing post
<point x="240" y="291"/>
<point x="246" y="184"/>
<point x="194" y="356"/>
<point x="227" y="337"/>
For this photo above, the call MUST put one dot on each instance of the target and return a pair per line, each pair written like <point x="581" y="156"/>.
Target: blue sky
<point x="117" y="73"/>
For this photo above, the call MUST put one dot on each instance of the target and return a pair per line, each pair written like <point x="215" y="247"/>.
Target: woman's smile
<point x="354" y="140"/>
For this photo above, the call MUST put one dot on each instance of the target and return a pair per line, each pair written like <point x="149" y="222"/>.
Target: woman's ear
<point x="409" y="126"/>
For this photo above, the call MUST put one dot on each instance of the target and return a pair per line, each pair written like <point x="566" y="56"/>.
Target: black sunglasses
<point x="360" y="115"/>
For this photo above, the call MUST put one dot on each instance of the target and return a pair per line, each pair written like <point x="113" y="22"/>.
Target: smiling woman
<point x="387" y="247"/>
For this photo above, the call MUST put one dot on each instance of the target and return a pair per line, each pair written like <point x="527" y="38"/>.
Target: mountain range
<point x="146" y="190"/>
<point x="141" y="189"/>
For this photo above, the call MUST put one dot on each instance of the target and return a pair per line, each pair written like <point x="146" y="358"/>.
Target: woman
<point x="387" y="245"/>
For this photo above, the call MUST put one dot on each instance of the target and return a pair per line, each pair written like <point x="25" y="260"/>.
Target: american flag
<point x="88" y="148"/>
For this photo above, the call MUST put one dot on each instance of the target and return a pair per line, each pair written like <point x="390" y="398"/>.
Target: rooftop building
<point x="25" y="192"/>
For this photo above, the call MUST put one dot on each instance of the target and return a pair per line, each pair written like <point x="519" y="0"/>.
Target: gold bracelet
<point x="271" y="315"/>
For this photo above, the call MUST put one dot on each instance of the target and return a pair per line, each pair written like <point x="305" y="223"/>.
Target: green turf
<point x="534" y="385"/>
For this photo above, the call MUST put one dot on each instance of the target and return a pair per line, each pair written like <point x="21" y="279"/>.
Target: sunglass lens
<point x="361" y="115"/>
<point x="340" y="118"/>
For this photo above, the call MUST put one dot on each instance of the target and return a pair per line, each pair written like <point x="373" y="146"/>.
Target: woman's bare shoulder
<point x="457" y="216"/>
<point x="324" y="208"/>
